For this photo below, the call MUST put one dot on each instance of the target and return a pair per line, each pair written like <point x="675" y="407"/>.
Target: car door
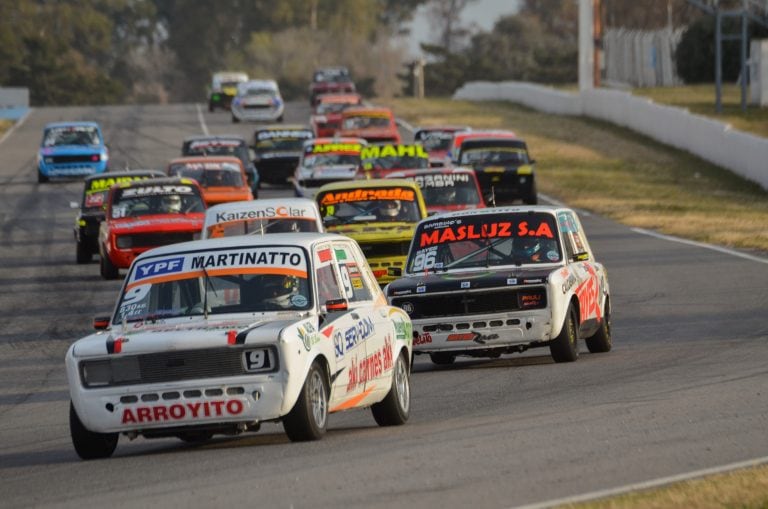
<point x="362" y="291"/>
<point x="343" y="327"/>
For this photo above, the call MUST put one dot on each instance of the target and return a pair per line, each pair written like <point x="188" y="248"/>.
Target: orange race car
<point x="222" y="178"/>
<point x="374" y="124"/>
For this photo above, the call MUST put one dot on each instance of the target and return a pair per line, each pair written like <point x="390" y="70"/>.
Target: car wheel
<point x="600" y="341"/>
<point x="41" y="179"/>
<point x="235" y="120"/>
<point x="108" y="269"/>
<point x="395" y="408"/>
<point x="88" y="444"/>
<point x="565" y="348"/>
<point x="531" y="198"/>
<point x="308" y="418"/>
<point x="280" y="118"/>
<point x="211" y="107"/>
<point x="442" y="359"/>
<point x="83" y="253"/>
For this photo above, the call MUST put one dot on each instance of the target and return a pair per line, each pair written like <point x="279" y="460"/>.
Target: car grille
<point x="170" y="366"/>
<point x="82" y="158"/>
<point x="257" y="106"/>
<point x="154" y="239"/>
<point x="385" y="249"/>
<point x="470" y="303"/>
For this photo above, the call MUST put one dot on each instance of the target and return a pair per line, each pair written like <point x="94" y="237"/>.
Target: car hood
<point x="438" y="282"/>
<point x="185" y="334"/>
<point x="171" y="222"/>
<point x="375" y="231"/>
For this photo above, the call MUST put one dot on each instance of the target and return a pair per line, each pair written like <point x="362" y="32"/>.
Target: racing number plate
<point x="257" y="360"/>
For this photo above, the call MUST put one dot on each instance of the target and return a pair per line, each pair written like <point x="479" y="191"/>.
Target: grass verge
<point x="619" y="174"/>
<point x="743" y="489"/>
<point x="4" y="126"/>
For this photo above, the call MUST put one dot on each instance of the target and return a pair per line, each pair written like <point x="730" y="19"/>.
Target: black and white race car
<point x="492" y="281"/>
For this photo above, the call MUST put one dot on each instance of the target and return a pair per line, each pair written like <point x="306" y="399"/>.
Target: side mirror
<point x="395" y="272"/>
<point x="580" y="257"/>
<point x="101" y="322"/>
<point x="335" y="305"/>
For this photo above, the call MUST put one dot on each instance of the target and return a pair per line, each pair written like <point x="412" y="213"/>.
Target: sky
<point x="482" y="13"/>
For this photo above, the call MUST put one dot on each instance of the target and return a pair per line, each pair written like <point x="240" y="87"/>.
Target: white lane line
<point x="201" y="119"/>
<point x="655" y="483"/>
<point x="719" y="249"/>
<point x="15" y="125"/>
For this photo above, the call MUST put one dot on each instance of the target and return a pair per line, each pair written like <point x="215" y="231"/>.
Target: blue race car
<point x="71" y="149"/>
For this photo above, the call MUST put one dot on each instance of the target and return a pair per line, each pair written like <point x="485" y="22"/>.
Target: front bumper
<point x="244" y="399"/>
<point x="482" y="331"/>
<point x="76" y="169"/>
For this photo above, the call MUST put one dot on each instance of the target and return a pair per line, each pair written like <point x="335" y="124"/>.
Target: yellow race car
<point x="380" y="214"/>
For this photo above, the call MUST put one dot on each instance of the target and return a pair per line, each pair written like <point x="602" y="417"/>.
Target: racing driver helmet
<point x="527" y="249"/>
<point x="280" y="290"/>
<point x="390" y="209"/>
<point x="172" y="203"/>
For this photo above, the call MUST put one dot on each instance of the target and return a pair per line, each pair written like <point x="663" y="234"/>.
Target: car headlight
<point x="48" y="160"/>
<point x="100" y="373"/>
<point x="124" y="242"/>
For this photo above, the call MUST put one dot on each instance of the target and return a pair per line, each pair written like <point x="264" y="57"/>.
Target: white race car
<point x="258" y="100"/>
<point x="257" y="217"/>
<point x="220" y="335"/>
<point x="492" y="281"/>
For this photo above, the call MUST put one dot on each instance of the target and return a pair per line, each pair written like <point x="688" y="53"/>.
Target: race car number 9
<point x="424" y="259"/>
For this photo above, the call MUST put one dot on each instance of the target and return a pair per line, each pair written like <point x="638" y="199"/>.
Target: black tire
<point x="41" y="179"/>
<point x="90" y="445"/>
<point x="565" y="347"/>
<point x="235" y="120"/>
<point x="395" y="408"/>
<point x="280" y="118"/>
<point x="308" y="419"/>
<point x="442" y="359"/>
<point x="211" y="107"/>
<point x="108" y="269"/>
<point x="83" y="253"/>
<point x="532" y="197"/>
<point x="600" y="341"/>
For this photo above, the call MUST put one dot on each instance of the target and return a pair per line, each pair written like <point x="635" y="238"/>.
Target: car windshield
<point x="152" y="200"/>
<point x="235" y="149"/>
<point x="280" y="145"/>
<point x="435" y="140"/>
<point x="448" y="189"/>
<point x="365" y="121"/>
<point x="259" y="91"/>
<point x="71" y="135"/>
<point x="320" y="160"/>
<point x="212" y="178"/>
<point x="494" y="155"/>
<point x="488" y="240"/>
<point x="371" y="205"/>
<point x="262" y="226"/>
<point x="325" y="108"/>
<point x="231" y="280"/>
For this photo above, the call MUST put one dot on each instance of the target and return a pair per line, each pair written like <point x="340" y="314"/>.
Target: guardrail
<point x="717" y="142"/>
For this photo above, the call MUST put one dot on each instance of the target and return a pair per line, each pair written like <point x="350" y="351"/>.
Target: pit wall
<point x="742" y="153"/>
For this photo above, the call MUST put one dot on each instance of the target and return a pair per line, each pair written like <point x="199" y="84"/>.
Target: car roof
<point x="215" y="137"/>
<point x="159" y="182"/>
<point x="205" y="159"/>
<point x="299" y="239"/>
<point x="367" y="183"/>
<point x="366" y="109"/>
<point x="283" y="127"/>
<point x="507" y="209"/>
<point x="260" y="83"/>
<point x="82" y="123"/>
<point x="432" y="171"/>
<point x="341" y="139"/>
<point x="262" y="204"/>
<point x="233" y="75"/>
<point x="127" y="173"/>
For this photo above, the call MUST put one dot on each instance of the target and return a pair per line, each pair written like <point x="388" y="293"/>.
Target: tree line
<point x="146" y="51"/>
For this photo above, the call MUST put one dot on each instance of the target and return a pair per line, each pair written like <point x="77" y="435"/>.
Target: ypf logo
<point x="159" y="267"/>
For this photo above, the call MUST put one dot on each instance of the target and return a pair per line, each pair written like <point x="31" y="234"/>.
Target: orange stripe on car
<point x="352" y="402"/>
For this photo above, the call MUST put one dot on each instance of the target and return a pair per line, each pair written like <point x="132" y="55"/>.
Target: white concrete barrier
<point x="743" y="153"/>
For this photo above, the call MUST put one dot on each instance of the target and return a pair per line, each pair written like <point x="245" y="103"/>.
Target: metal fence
<point x="641" y="58"/>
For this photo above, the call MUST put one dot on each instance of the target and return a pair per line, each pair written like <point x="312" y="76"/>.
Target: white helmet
<point x="172" y="203"/>
<point x="390" y="208"/>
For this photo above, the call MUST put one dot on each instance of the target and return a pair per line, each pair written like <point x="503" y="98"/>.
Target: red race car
<point x="374" y="124"/>
<point x="330" y="80"/>
<point x="446" y="189"/>
<point x="326" y="119"/>
<point x="143" y="214"/>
